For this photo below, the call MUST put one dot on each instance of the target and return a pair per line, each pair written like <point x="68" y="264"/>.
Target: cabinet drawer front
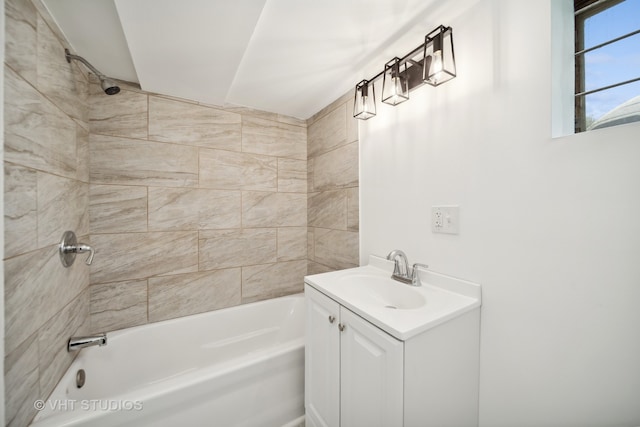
<point x="371" y="375"/>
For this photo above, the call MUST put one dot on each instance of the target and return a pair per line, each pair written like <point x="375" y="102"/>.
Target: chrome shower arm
<point x="107" y="83"/>
<point x="71" y="56"/>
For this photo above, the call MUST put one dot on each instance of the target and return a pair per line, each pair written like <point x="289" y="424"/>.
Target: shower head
<point x="108" y="85"/>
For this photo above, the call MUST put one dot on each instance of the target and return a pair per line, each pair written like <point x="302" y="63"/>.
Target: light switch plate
<point x="445" y="219"/>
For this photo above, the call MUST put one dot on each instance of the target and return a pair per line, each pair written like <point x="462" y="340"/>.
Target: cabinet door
<point x="371" y="373"/>
<point x="322" y="360"/>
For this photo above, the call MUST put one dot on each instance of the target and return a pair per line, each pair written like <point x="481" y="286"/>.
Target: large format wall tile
<point x="292" y="243"/>
<point x="265" y="115"/>
<point x="21" y="381"/>
<point x="130" y="256"/>
<point x="316" y="268"/>
<point x="20" y="210"/>
<point x="235" y="248"/>
<point x="193" y="209"/>
<point x="272" y="280"/>
<point x="117" y="208"/>
<point x="182" y="122"/>
<point x="292" y="121"/>
<point x="272" y="171"/>
<point x="310" y="164"/>
<point x="352" y="122"/>
<point x="62" y="206"/>
<point x="328" y="132"/>
<point x="122" y="115"/>
<point x="311" y="246"/>
<point x="337" y="168"/>
<point x="246" y="111"/>
<point x="37" y="286"/>
<point x="292" y="176"/>
<point x="353" y="209"/>
<point x="61" y="81"/>
<point x="46" y="154"/>
<point x="37" y="134"/>
<point x="54" y="359"/>
<point x="338" y="103"/>
<point x="21" y="47"/>
<point x="117" y="160"/>
<point x="118" y="305"/>
<point x="335" y="248"/>
<point x="262" y="209"/>
<point x="82" y="152"/>
<point x="273" y="138"/>
<point x="187" y="294"/>
<point x="332" y="187"/>
<point x="237" y="171"/>
<point x="328" y="209"/>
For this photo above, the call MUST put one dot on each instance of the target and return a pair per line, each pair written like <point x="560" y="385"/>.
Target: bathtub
<point x="240" y="366"/>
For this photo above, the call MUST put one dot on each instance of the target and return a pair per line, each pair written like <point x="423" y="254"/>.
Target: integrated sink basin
<point x="399" y="309"/>
<point x="381" y="292"/>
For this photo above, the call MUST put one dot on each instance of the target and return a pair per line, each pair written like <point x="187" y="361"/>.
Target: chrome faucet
<point x="76" y="343"/>
<point x="401" y="270"/>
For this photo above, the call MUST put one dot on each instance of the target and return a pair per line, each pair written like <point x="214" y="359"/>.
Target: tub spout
<point x="76" y="343"/>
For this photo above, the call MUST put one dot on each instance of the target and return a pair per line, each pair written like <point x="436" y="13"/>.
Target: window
<point x="607" y="63"/>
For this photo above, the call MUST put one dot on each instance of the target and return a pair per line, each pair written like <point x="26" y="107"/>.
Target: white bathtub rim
<point x="69" y="419"/>
<point x="148" y="391"/>
<point x="196" y="377"/>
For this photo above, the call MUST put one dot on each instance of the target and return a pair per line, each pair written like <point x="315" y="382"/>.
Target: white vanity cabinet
<point x="381" y="353"/>
<point x="353" y="370"/>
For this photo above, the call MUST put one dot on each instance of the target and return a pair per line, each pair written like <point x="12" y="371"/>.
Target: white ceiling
<point x="291" y="57"/>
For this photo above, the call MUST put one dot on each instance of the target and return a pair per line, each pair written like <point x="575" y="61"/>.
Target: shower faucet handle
<point x="69" y="247"/>
<point x="82" y="248"/>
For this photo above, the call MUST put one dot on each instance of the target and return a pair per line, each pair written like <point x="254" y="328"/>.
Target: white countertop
<point x="439" y="299"/>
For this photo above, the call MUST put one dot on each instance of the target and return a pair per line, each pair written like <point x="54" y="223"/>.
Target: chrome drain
<point x="391" y="306"/>
<point x="80" y="378"/>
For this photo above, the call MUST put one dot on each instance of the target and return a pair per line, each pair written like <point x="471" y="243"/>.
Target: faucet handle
<point x="415" y="279"/>
<point x="86" y="248"/>
<point x="69" y="247"/>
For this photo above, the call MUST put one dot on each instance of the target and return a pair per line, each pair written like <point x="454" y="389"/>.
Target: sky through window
<point x="614" y="63"/>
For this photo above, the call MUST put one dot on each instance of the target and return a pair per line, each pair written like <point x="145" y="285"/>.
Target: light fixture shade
<point x="395" y="85"/>
<point x="364" y="104"/>
<point x="439" y="60"/>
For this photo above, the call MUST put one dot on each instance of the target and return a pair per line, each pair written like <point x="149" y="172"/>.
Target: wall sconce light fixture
<point x="432" y="62"/>
<point x="439" y="61"/>
<point x="364" y="106"/>
<point x="395" y="86"/>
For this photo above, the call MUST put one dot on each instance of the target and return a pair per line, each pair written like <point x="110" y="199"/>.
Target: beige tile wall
<point x="192" y="207"/>
<point x="46" y="156"/>
<point x="332" y="180"/>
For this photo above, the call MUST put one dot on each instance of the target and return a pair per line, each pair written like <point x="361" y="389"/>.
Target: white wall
<point x="549" y="226"/>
